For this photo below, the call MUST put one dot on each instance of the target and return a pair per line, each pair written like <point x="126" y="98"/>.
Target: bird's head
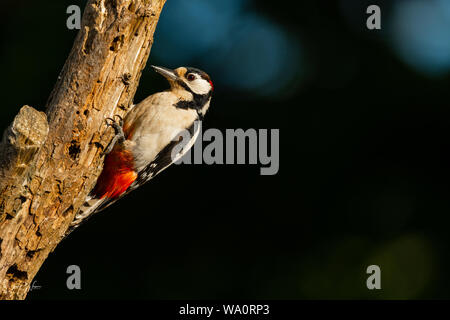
<point x="192" y="80"/>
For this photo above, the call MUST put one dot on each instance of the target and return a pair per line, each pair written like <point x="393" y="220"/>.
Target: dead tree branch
<point x="50" y="161"/>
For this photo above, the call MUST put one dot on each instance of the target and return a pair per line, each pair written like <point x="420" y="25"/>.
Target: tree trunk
<point x="50" y="161"/>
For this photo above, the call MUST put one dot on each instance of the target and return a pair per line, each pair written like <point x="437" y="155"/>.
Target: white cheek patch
<point x="200" y="86"/>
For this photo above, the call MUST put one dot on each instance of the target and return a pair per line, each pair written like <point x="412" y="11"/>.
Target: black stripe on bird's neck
<point x="198" y="101"/>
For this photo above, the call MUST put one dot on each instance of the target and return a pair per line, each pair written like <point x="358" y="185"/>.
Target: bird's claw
<point x="118" y="129"/>
<point x="116" y="124"/>
<point x="114" y="121"/>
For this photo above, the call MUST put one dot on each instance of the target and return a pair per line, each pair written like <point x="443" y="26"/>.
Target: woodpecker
<point x="145" y="138"/>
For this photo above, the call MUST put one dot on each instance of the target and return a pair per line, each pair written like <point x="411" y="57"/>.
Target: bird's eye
<point x="191" y="77"/>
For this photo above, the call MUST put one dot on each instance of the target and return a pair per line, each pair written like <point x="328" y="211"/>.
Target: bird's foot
<point x="119" y="137"/>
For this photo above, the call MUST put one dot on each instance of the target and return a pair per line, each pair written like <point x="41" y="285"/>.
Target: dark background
<point x="364" y="170"/>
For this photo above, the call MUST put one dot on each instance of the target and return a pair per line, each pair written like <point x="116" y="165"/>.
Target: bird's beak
<point x="166" y="73"/>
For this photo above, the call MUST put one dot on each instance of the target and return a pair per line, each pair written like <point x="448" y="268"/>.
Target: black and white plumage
<point x="146" y="141"/>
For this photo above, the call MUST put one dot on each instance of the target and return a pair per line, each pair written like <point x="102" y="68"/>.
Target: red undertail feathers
<point x="117" y="175"/>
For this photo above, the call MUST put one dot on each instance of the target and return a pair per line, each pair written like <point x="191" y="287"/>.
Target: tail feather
<point x="89" y="207"/>
<point x="116" y="177"/>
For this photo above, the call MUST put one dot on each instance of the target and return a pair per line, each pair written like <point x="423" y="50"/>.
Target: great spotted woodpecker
<point x="145" y="139"/>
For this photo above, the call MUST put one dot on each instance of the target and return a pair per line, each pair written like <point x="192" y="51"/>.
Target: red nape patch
<point x="117" y="175"/>
<point x="212" y="86"/>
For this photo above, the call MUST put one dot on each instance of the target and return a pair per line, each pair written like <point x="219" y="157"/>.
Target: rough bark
<point x="50" y="161"/>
